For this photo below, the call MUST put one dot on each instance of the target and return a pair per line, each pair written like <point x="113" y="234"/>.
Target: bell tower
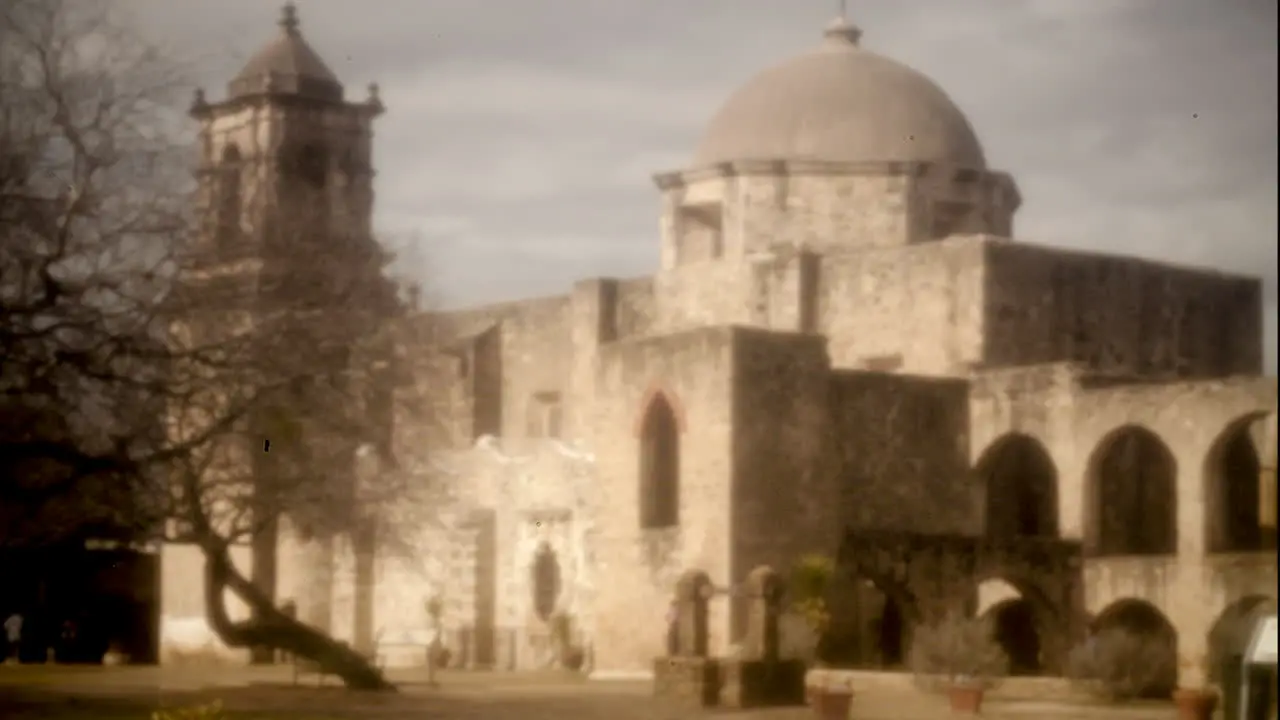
<point x="286" y="171"/>
<point x="285" y="191"/>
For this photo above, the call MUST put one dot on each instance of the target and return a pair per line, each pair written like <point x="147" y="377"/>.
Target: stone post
<point x="759" y="677"/>
<point x="764" y="607"/>
<point x="692" y="593"/>
<point x="688" y="675"/>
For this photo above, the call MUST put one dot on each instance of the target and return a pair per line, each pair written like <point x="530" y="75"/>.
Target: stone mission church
<point x="844" y="350"/>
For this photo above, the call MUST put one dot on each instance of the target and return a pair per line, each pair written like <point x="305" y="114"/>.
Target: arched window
<point x="659" y="466"/>
<point x="1133" y="500"/>
<point x="1022" y="489"/>
<point x="1233" y="492"/>
<point x="228" y="200"/>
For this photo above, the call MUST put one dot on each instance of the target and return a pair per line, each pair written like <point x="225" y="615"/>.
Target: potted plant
<point x="810" y="582"/>
<point x="1196" y="702"/>
<point x="960" y="657"/>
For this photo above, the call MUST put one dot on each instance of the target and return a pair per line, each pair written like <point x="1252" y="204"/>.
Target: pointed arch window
<point x="229" y="198"/>
<point x="659" y="465"/>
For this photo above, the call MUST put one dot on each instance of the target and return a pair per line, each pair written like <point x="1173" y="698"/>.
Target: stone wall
<point x="915" y="309"/>
<point x="536" y="491"/>
<point x="185" y="634"/>
<point x="826" y="207"/>
<point x="1118" y="314"/>
<point x="1073" y="413"/>
<point x="638" y="568"/>
<point x="532" y="359"/>
<point x="901" y="453"/>
<point x="693" y="296"/>
<point x="782" y="489"/>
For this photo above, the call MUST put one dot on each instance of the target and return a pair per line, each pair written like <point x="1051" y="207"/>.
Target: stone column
<point x="692" y="592"/>
<point x="764" y="598"/>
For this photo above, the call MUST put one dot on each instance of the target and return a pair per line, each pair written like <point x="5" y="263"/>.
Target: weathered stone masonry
<point x="854" y="357"/>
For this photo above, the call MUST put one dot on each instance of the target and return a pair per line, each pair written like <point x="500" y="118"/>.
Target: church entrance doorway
<point x="546" y="582"/>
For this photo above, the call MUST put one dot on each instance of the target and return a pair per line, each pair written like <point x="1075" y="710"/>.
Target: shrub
<point x="810" y="580"/>
<point x="1118" y="664"/>
<point x="210" y="711"/>
<point x="957" y="651"/>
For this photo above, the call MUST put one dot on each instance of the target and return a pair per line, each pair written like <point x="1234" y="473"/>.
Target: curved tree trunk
<point x="272" y="628"/>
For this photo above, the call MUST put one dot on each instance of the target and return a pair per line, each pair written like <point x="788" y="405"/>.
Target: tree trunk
<point x="268" y="627"/>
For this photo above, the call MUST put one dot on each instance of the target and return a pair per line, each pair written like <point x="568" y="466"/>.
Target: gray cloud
<point x="521" y="135"/>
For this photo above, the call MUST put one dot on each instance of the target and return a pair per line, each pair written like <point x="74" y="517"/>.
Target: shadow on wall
<point x="871" y="624"/>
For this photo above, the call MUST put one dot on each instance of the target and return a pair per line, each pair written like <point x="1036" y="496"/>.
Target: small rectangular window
<point x="544" y="415"/>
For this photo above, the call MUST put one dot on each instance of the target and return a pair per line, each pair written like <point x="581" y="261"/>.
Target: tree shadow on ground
<point x="325" y="703"/>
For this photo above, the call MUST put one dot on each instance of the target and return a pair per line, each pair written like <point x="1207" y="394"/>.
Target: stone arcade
<point x="843" y="350"/>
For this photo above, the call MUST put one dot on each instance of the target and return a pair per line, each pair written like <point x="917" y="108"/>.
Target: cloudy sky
<point x="521" y="134"/>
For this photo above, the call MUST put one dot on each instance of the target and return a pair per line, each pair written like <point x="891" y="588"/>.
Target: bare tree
<point x="218" y="397"/>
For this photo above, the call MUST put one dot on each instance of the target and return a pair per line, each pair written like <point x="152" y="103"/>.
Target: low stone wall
<point x="759" y="683"/>
<point x="690" y="681"/>
<point x="1048" y="688"/>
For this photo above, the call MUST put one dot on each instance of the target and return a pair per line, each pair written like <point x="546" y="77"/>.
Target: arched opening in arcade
<point x="1233" y="490"/>
<point x="1232" y="631"/>
<point x="1131" y="496"/>
<point x="871" y="623"/>
<point x="1229" y="639"/>
<point x="1132" y="636"/>
<point x="1021" y="489"/>
<point x="1017" y="617"/>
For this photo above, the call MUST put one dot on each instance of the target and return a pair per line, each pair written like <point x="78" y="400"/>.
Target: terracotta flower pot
<point x="830" y="703"/>
<point x="1195" y="703"/>
<point x="966" y="699"/>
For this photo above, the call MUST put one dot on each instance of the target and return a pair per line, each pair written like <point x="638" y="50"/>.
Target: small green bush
<point x="1119" y="665"/>
<point x="810" y="581"/>
<point x="957" y="651"/>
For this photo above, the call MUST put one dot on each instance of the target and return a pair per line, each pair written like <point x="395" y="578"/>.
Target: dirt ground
<point x="61" y="693"/>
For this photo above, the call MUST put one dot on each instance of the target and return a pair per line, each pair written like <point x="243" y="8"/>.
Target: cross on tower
<point x="289" y="17"/>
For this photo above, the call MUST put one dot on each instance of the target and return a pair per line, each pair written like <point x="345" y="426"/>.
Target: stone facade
<point x="841" y="349"/>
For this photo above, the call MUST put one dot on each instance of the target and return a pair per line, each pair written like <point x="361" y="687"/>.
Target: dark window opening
<point x="659" y="466"/>
<point x="1133" y="503"/>
<point x="228" y="198"/>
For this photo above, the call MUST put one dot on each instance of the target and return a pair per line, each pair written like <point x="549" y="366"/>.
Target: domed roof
<point x="287" y="65"/>
<point x="840" y="103"/>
